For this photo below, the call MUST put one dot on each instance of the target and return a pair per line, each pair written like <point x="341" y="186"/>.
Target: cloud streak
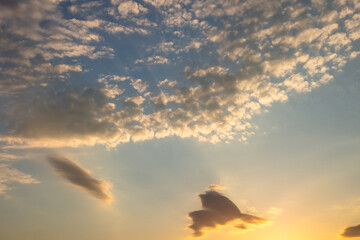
<point x="219" y="210"/>
<point x="81" y="178"/>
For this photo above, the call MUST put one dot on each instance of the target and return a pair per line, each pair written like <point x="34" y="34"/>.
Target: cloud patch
<point x="220" y="210"/>
<point x="81" y="178"/>
<point x="351" y="232"/>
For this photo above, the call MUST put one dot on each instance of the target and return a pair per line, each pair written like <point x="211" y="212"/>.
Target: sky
<point x="173" y="120"/>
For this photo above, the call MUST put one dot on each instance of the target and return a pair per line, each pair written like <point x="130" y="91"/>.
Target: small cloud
<point x="220" y="210"/>
<point x="80" y="177"/>
<point x="350" y="232"/>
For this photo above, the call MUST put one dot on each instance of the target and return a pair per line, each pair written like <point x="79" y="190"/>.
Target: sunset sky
<point x="179" y="119"/>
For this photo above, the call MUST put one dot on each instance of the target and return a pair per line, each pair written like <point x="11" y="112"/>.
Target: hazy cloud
<point x="81" y="178"/>
<point x="350" y="232"/>
<point x="219" y="210"/>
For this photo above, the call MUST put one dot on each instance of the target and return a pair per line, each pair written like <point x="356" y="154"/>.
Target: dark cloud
<point x="64" y="115"/>
<point x="351" y="232"/>
<point x="81" y="178"/>
<point x="10" y="3"/>
<point x="219" y="210"/>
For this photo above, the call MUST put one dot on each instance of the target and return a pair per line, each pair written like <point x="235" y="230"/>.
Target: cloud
<point x="166" y="82"/>
<point x="219" y="210"/>
<point x="350" y="232"/>
<point x="139" y="85"/>
<point x="157" y="60"/>
<point x="11" y="3"/>
<point x="81" y="178"/>
<point x="9" y="175"/>
<point x="63" y="115"/>
<point x="247" y="56"/>
<point x="153" y="60"/>
<point x="5" y="157"/>
<point x="216" y="187"/>
<point x="161" y="3"/>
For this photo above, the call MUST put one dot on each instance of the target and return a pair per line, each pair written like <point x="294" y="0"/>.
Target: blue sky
<point x="117" y="114"/>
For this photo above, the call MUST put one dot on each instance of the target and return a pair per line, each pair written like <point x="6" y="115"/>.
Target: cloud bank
<point x="219" y="210"/>
<point x="81" y="178"/>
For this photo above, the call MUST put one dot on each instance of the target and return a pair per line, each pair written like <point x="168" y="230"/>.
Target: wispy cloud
<point x="81" y="178"/>
<point x="220" y="210"/>
<point x="10" y="175"/>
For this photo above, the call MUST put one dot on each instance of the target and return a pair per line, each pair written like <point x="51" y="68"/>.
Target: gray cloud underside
<point x="81" y="178"/>
<point x="247" y="56"/>
<point x="350" y="232"/>
<point x="219" y="210"/>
